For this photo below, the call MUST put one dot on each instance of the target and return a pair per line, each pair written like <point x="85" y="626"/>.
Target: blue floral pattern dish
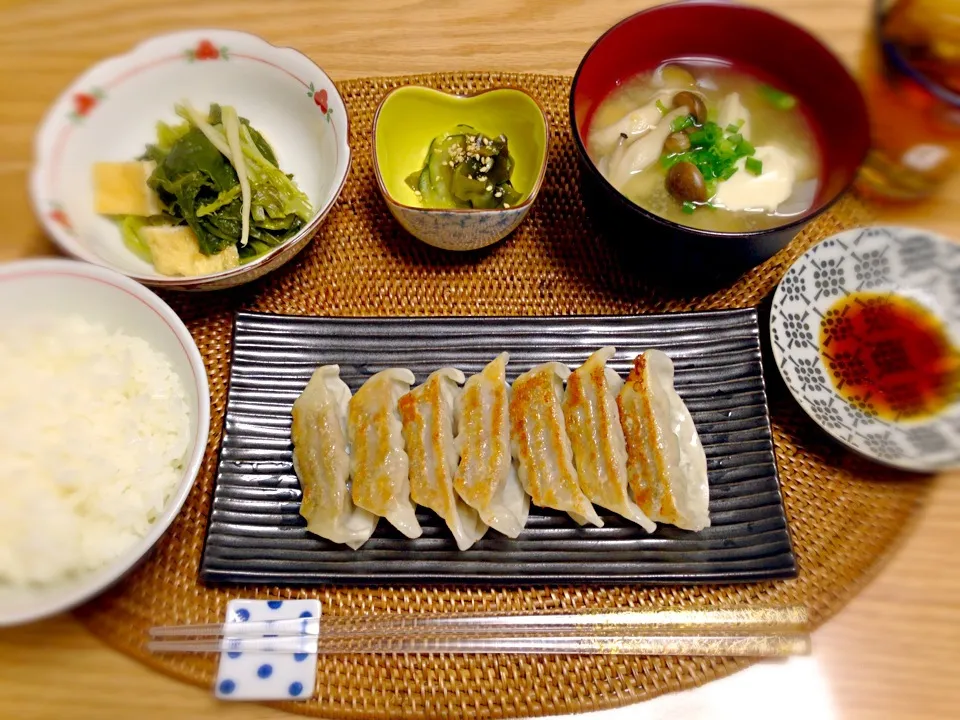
<point x="458" y="229"/>
<point x="913" y="263"/>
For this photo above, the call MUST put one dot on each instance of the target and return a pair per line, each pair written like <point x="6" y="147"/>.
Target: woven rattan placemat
<point x="845" y="513"/>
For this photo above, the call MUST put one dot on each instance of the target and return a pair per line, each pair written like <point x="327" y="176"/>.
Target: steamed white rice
<point x="94" y="432"/>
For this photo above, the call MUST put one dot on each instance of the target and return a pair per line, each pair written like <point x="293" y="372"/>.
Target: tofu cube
<point x="121" y="189"/>
<point x="176" y="252"/>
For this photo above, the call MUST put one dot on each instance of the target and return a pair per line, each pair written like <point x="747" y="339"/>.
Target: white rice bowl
<point x="106" y="415"/>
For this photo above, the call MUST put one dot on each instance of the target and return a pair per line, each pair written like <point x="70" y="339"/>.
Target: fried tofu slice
<point x="176" y="252"/>
<point x="120" y="188"/>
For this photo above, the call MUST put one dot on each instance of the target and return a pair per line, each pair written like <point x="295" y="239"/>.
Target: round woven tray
<point x="845" y="514"/>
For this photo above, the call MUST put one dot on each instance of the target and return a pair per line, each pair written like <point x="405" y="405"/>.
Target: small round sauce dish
<point x="865" y="329"/>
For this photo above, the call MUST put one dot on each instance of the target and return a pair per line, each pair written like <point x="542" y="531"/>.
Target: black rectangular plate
<point x="256" y="534"/>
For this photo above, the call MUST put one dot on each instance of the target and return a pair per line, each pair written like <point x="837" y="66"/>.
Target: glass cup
<point x="911" y="81"/>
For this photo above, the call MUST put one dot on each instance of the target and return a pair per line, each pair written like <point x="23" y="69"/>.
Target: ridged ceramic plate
<point x="256" y="534"/>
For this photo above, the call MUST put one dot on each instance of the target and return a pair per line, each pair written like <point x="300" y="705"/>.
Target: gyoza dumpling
<point x="320" y="459"/>
<point x="599" y="449"/>
<point x="427" y="413"/>
<point x="486" y="478"/>
<point x="666" y="465"/>
<point x="541" y="446"/>
<point x="379" y="464"/>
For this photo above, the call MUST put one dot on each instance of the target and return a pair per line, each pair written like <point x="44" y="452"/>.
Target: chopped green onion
<point x="754" y="166"/>
<point x="714" y="151"/>
<point x="709" y="134"/>
<point x="729" y="172"/>
<point x="734" y="127"/>
<point x="689" y="208"/>
<point x="726" y="149"/>
<point x="668" y="161"/>
<point x="661" y="107"/>
<point x="779" y="99"/>
<point x="709" y="172"/>
<point x="681" y="123"/>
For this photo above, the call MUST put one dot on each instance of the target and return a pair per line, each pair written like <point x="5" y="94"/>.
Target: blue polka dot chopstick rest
<point x="270" y="675"/>
<point x="268" y="648"/>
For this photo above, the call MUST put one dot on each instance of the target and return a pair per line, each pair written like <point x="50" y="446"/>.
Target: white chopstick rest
<point x="246" y="675"/>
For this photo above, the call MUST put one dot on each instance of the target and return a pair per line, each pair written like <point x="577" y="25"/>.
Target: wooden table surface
<point x="891" y="653"/>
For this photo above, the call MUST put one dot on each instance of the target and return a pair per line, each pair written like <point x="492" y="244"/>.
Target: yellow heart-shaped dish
<point x="410" y="117"/>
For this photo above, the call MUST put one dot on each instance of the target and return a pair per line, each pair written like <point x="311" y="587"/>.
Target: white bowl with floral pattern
<point x="914" y="265"/>
<point x="111" y="111"/>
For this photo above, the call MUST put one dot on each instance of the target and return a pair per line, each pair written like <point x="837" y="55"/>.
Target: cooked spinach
<point x="198" y="185"/>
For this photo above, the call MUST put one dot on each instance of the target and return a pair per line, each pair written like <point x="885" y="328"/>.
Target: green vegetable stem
<point x="197" y="184"/>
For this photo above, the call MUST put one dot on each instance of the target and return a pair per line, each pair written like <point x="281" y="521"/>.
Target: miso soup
<point x="706" y="145"/>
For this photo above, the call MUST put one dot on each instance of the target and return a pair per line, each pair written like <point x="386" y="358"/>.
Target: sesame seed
<point x="506" y="205"/>
<point x="489" y="188"/>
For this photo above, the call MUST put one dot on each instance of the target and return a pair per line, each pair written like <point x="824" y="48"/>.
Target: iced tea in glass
<point x="911" y="80"/>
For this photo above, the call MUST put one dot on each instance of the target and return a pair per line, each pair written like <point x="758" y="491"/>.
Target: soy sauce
<point x="889" y="356"/>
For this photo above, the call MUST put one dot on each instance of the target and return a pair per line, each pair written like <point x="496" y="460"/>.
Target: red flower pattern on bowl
<point x="321" y="99"/>
<point x="59" y="216"/>
<point x="206" y="51"/>
<point x="83" y="103"/>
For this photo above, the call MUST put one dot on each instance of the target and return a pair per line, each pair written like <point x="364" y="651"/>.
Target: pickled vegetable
<point x="466" y="169"/>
